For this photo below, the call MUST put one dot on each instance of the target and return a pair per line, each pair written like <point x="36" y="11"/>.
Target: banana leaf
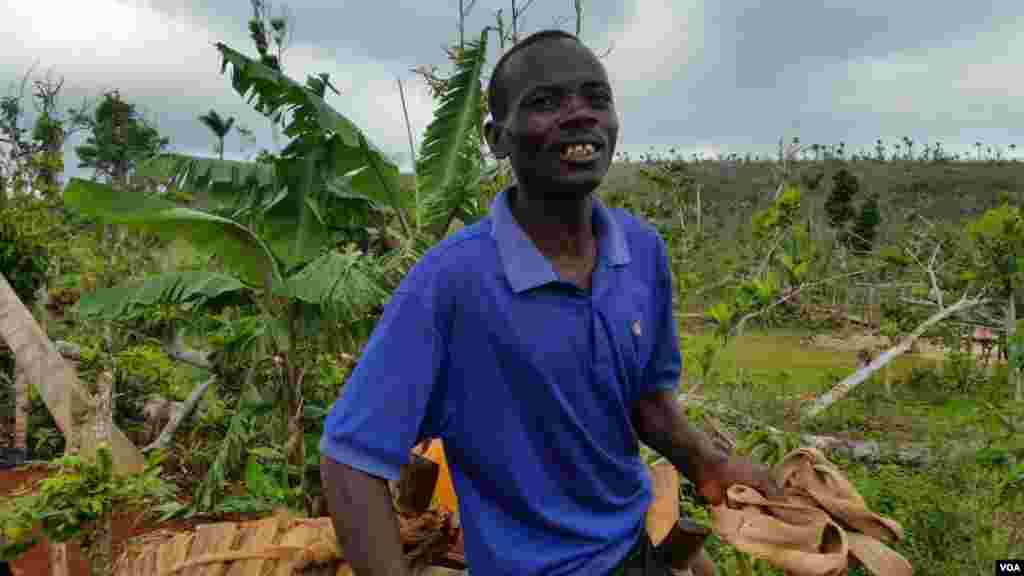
<point x="169" y="288"/>
<point x="227" y="183"/>
<point x="449" y="169"/>
<point x="317" y="129"/>
<point x="236" y="246"/>
<point x="347" y="282"/>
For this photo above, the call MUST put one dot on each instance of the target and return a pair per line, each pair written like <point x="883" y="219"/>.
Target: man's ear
<point x="493" y="134"/>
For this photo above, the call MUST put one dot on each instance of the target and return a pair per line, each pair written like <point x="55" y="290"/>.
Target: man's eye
<point x="545" y="101"/>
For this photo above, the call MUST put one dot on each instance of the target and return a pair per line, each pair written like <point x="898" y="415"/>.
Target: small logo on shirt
<point x="637" y="331"/>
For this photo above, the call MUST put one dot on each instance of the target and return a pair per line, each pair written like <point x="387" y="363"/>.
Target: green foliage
<point x="757" y="293"/>
<point x="724" y="314"/>
<point x="177" y="288"/>
<point x="349" y="282"/>
<point x="240" y="186"/>
<point x="1013" y="485"/>
<point x="799" y="253"/>
<point x="244" y="430"/>
<point x="961" y="374"/>
<point x="119" y="138"/>
<point x="23" y="258"/>
<point x="326" y="148"/>
<point x="865" y="228"/>
<point x="448" y="171"/>
<point x="1015" y="350"/>
<point x="219" y="126"/>
<point x="68" y="503"/>
<point x="779" y="216"/>
<point x="998" y="235"/>
<point x="261" y="38"/>
<point x="839" y="207"/>
<point x="238" y="248"/>
<point x="768" y="448"/>
<point x="149" y="370"/>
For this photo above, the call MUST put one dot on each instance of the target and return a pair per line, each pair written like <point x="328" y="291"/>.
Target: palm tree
<point x="219" y="126"/>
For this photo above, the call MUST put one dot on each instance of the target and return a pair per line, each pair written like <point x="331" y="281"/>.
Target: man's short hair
<point x="496" y="96"/>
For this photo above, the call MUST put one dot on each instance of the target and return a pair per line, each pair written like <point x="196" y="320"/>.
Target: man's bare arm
<point x="661" y="424"/>
<point x="364" y="519"/>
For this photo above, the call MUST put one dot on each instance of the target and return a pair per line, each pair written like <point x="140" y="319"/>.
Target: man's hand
<point x="717" y="477"/>
<point x="661" y="424"/>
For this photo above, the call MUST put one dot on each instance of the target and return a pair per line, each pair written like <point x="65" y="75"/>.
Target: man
<point x="539" y="345"/>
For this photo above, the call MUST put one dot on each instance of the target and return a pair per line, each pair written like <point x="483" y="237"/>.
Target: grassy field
<point x="957" y="516"/>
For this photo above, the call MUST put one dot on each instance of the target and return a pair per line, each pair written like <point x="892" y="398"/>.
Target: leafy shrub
<point x="839" y="207"/>
<point x="67" y="504"/>
<point x="961" y="373"/>
<point x="23" y="259"/>
<point x="865" y="228"/>
<point x="149" y="371"/>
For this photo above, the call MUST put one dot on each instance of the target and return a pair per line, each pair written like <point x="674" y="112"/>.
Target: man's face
<point x="560" y="128"/>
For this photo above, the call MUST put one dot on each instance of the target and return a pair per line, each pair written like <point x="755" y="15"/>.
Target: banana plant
<point x="288" y="233"/>
<point x="276" y="239"/>
<point x="450" y="168"/>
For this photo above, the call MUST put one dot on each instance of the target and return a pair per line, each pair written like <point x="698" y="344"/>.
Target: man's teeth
<point x="578" y="150"/>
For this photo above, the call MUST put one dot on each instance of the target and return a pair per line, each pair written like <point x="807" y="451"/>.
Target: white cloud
<point x="654" y="46"/>
<point x="657" y="41"/>
<point x="166" y="61"/>
<point x="964" y="83"/>
<point x="104" y="44"/>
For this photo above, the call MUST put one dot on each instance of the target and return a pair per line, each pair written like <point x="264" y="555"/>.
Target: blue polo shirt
<point x="529" y="382"/>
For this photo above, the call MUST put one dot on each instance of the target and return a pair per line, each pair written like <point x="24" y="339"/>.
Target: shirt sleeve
<point x="390" y="401"/>
<point x="665" y="364"/>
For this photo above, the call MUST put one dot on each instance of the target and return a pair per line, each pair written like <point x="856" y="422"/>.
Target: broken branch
<point x="180" y="416"/>
<point x="840" y="390"/>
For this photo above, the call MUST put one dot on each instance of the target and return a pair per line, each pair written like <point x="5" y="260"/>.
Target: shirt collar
<point x="524" y="265"/>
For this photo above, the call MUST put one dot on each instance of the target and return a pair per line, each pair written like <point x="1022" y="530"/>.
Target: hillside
<point x="732" y="191"/>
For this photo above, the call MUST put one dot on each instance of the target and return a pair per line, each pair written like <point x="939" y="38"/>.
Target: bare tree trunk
<point x="412" y="146"/>
<point x="100" y="549"/>
<point x="840" y="390"/>
<point x="57" y="382"/>
<point x="700" y="229"/>
<point x="59" y="560"/>
<point x="21" y="409"/>
<point x="59" y="564"/>
<point x="1011" y="331"/>
<point x="578" y="5"/>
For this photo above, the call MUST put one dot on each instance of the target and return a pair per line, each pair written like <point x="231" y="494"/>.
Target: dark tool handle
<point x="416" y="484"/>
<point x="683" y="543"/>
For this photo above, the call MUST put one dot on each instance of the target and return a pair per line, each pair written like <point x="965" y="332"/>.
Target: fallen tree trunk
<point x="840" y="390"/>
<point x="916" y="454"/>
<point x="180" y="416"/>
<point x="72" y="407"/>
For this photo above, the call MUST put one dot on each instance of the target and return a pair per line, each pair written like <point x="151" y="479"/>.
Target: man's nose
<point x="578" y="108"/>
<point x="576" y="102"/>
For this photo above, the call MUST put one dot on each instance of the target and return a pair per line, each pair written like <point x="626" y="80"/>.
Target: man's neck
<point x="560" y="230"/>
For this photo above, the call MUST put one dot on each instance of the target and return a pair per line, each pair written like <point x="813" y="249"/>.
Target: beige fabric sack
<point x="815" y="530"/>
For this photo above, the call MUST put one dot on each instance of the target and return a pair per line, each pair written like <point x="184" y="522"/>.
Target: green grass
<point x="956" y="518"/>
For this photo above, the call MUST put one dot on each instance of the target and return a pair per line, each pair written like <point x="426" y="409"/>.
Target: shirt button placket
<point x="602" y="359"/>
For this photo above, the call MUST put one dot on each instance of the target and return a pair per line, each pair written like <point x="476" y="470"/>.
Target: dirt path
<point x="36" y="561"/>
<point x="857" y="341"/>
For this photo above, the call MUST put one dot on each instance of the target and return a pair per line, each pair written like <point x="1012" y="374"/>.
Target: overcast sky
<point x="716" y="77"/>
